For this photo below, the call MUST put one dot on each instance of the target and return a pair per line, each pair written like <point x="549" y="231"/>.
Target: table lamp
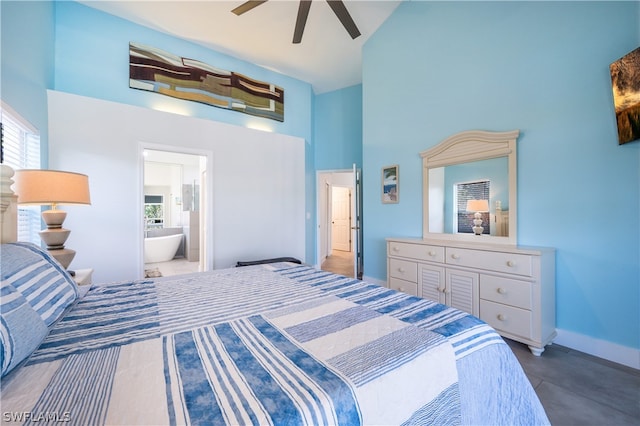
<point x="477" y="206"/>
<point x="53" y="187"/>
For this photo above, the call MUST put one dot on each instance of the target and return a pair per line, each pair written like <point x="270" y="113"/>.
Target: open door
<point x="339" y="201"/>
<point x="341" y="218"/>
<point x="356" y="230"/>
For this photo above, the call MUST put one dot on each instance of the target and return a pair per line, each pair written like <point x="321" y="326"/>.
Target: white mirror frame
<point x="464" y="147"/>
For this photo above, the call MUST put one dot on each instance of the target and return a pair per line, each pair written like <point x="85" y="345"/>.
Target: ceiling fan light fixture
<point x="337" y="6"/>
<point x="344" y="17"/>
<point x="247" y="6"/>
<point x="301" y="20"/>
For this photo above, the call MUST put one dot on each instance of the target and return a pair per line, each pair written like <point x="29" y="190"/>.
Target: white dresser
<point x="512" y="288"/>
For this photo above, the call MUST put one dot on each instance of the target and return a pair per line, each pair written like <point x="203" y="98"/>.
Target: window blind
<point x="21" y="150"/>
<point x="478" y="190"/>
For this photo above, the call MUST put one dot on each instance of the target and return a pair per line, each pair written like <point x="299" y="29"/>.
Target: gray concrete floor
<point x="580" y="389"/>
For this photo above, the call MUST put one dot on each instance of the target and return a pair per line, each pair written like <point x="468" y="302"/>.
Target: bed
<point x="279" y="343"/>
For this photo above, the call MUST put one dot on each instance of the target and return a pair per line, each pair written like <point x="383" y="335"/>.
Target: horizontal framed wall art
<point x="155" y="70"/>
<point x="390" y="184"/>
<point x="625" y="81"/>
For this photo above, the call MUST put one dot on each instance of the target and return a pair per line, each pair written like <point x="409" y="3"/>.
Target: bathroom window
<point x="154" y="211"/>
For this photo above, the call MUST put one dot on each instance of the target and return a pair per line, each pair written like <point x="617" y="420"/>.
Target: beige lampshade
<point x="478" y="206"/>
<point x="53" y="187"/>
<point x="39" y="187"/>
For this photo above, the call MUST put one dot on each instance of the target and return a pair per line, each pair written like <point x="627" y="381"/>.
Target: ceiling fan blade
<point x="343" y="15"/>
<point x="301" y="21"/>
<point x="247" y="6"/>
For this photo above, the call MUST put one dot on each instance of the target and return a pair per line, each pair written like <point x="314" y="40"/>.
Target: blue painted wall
<point x="80" y="50"/>
<point x="437" y="68"/>
<point x="433" y="69"/>
<point x="337" y="131"/>
<point x="92" y="59"/>
<point x="27" y="61"/>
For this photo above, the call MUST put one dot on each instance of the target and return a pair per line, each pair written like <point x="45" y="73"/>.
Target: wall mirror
<point x="470" y="188"/>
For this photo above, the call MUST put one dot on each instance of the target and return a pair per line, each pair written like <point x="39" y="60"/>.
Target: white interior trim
<point x="601" y="348"/>
<point x="372" y="280"/>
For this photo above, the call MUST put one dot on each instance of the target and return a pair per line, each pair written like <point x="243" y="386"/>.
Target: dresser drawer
<point x="417" y="251"/>
<point x="506" y="291"/>
<point x="403" y="286"/>
<point x="403" y="269"/>
<point x="510" y="263"/>
<point x="506" y="318"/>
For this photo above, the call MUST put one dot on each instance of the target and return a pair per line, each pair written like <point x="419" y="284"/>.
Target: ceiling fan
<point x="337" y="6"/>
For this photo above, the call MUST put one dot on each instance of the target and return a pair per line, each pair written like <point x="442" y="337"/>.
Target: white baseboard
<point x="601" y="348"/>
<point x="372" y="280"/>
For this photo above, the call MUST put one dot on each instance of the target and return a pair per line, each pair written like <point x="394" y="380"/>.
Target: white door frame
<point x="324" y="181"/>
<point x="207" y="243"/>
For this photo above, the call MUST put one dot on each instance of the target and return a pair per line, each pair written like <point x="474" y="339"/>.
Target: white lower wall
<point x="374" y="281"/>
<point x="601" y="348"/>
<point x="257" y="205"/>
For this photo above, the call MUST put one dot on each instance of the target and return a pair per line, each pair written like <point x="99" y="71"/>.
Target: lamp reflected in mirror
<point x="477" y="207"/>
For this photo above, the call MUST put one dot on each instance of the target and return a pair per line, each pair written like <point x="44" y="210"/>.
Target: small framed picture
<point x="390" y="184"/>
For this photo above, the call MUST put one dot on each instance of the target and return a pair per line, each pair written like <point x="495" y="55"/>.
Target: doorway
<point x="174" y="189"/>
<point x="341" y="219"/>
<point x="339" y="216"/>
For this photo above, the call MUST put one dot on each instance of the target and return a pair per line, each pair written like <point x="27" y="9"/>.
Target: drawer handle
<point x="455" y="256"/>
<point x="501" y="290"/>
<point x="401" y="289"/>
<point x="501" y="317"/>
<point x="511" y="263"/>
<point x="432" y="253"/>
<point x="401" y="270"/>
<point x="395" y="248"/>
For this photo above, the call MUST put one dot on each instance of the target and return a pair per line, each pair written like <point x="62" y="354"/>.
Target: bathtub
<point x="161" y="249"/>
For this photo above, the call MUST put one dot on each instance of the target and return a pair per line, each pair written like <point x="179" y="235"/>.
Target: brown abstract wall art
<point x="158" y="71"/>
<point x="625" y="79"/>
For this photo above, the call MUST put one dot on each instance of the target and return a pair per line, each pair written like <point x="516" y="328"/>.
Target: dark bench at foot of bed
<point x="274" y="260"/>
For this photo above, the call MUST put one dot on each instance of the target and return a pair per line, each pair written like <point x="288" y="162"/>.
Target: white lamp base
<point x="55" y="236"/>
<point x="63" y="256"/>
<point x="54" y="218"/>
<point x="477" y="224"/>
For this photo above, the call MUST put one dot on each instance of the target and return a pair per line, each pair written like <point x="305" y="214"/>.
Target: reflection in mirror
<point x="451" y="188"/>
<point x="470" y="187"/>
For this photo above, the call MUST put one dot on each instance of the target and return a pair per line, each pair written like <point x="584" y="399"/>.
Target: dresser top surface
<point x="532" y="250"/>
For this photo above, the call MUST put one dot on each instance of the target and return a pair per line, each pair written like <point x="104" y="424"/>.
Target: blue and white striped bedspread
<point x="266" y="344"/>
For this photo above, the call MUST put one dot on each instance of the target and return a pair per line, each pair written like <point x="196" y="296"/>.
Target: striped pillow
<point x="39" y="278"/>
<point x="21" y="328"/>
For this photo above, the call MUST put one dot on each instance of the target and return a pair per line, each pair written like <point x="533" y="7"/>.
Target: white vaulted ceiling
<point x="327" y="57"/>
